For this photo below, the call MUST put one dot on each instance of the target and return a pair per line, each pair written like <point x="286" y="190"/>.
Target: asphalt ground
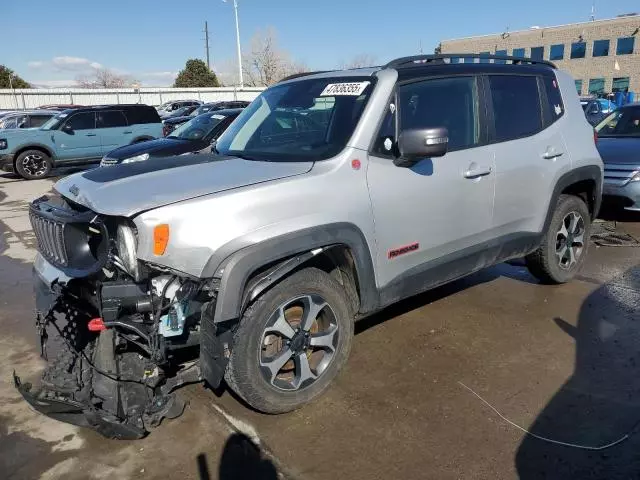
<point x="560" y="361"/>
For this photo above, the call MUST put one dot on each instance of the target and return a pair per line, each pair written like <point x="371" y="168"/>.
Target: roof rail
<point x="302" y="74"/>
<point x="427" y="59"/>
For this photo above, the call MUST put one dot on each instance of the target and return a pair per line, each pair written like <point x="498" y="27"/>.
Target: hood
<point x="125" y="190"/>
<point x="174" y="120"/>
<point x="625" y="150"/>
<point x="161" y="147"/>
<point x="20" y="133"/>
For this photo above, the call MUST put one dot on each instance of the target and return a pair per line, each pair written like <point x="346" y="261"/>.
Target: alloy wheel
<point x="34" y="165"/>
<point x="298" y="343"/>
<point x="570" y="240"/>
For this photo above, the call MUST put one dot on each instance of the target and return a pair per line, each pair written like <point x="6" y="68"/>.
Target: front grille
<point x="619" y="174"/>
<point x="50" y="236"/>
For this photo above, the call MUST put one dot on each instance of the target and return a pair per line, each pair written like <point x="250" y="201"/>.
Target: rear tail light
<point x="595" y="136"/>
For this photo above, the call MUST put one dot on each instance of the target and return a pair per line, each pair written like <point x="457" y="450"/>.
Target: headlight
<point x="3" y="144"/>
<point x="137" y="158"/>
<point x="126" y="243"/>
<point x="636" y="177"/>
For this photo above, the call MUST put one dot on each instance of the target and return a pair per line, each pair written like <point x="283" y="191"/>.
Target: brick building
<point x="603" y="56"/>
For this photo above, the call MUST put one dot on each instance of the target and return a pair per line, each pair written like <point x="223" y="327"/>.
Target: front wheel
<point x="563" y="250"/>
<point x="33" y="164"/>
<point x="291" y="343"/>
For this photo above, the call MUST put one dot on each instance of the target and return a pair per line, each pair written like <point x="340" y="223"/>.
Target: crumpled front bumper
<point x="65" y="410"/>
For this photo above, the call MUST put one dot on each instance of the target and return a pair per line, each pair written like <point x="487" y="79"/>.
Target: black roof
<point x="119" y="106"/>
<point x="422" y="60"/>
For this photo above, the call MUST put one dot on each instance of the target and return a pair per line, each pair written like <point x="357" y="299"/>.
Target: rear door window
<point x="111" y="119"/>
<point x="517" y="111"/>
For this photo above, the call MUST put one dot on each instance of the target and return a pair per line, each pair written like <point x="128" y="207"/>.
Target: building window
<point x="503" y="53"/>
<point x="469" y="60"/>
<point x="484" y="54"/>
<point x="579" y="86"/>
<point x="625" y="46"/>
<point x="601" y="48"/>
<point x="518" y="52"/>
<point x="596" y="86"/>
<point x="620" y="85"/>
<point x="578" y="49"/>
<point x="454" y="60"/>
<point x="537" y="53"/>
<point x="556" y="52"/>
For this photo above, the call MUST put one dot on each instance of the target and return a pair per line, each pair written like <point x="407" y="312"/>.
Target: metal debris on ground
<point x="610" y="234"/>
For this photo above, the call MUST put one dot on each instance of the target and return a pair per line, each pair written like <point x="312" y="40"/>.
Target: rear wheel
<point x="563" y="250"/>
<point x="33" y="164"/>
<point x="291" y="343"/>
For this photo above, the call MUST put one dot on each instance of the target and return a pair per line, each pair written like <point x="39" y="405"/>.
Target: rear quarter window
<point x="555" y="105"/>
<point x="142" y="114"/>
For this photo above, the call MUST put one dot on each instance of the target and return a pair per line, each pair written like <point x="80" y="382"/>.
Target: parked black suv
<point x="195" y="136"/>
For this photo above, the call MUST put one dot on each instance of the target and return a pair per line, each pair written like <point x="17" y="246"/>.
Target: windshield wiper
<point x="244" y="156"/>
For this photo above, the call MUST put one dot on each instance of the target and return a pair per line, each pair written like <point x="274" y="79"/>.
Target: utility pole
<point x="593" y="12"/>
<point x="206" y="43"/>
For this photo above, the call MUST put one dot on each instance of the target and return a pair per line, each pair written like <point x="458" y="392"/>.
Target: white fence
<point x="33" y="97"/>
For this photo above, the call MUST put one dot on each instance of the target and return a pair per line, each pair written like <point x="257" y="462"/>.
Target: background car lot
<point x="389" y="415"/>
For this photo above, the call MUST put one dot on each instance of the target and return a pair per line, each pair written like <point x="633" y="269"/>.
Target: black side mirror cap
<point x="416" y="144"/>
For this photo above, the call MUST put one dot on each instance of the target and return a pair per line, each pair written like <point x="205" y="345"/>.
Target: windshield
<point x="198" y="128"/>
<point x="624" y="123"/>
<point x="307" y="120"/>
<point x="54" y="122"/>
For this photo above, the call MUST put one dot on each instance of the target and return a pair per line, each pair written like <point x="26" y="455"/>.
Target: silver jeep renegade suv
<point x="331" y="196"/>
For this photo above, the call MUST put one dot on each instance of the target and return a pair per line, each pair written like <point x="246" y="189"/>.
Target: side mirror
<point x="414" y="145"/>
<point x="67" y="129"/>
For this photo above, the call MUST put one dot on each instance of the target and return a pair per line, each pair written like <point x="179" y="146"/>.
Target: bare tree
<point x="267" y="62"/>
<point x="359" y="61"/>
<point x="104" y="78"/>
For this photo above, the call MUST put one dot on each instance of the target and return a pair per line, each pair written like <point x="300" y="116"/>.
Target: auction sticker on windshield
<point x="352" y="88"/>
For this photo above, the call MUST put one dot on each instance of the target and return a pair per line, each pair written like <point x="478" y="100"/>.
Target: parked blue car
<point x="76" y="137"/>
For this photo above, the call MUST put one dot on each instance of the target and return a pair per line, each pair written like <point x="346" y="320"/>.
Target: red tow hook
<point x="96" y="325"/>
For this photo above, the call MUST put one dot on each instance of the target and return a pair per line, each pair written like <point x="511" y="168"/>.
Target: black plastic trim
<point x="239" y="265"/>
<point x="457" y="265"/>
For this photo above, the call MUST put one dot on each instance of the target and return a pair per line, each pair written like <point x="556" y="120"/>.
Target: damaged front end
<point x="119" y="335"/>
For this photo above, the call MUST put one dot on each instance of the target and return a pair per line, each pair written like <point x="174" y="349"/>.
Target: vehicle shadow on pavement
<point x="515" y="270"/>
<point x="600" y="402"/>
<point x="241" y="458"/>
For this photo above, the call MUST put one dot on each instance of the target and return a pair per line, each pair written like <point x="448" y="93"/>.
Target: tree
<point x="438" y="49"/>
<point x="196" y="74"/>
<point x="16" y="81"/>
<point x="104" y="78"/>
<point x="266" y="64"/>
<point x="359" y="61"/>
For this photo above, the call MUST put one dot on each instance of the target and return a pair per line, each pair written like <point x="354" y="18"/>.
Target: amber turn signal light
<point x="160" y="239"/>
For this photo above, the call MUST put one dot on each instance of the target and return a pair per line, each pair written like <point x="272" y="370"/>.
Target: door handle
<point x="477" y="171"/>
<point x="128" y="131"/>
<point x="552" y="153"/>
<point x="91" y="134"/>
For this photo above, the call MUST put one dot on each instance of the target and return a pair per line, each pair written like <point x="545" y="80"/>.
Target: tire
<point x="552" y="263"/>
<point x="251" y="365"/>
<point x="33" y="164"/>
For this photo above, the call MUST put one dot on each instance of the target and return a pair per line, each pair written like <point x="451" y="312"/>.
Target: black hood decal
<point x="118" y="172"/>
